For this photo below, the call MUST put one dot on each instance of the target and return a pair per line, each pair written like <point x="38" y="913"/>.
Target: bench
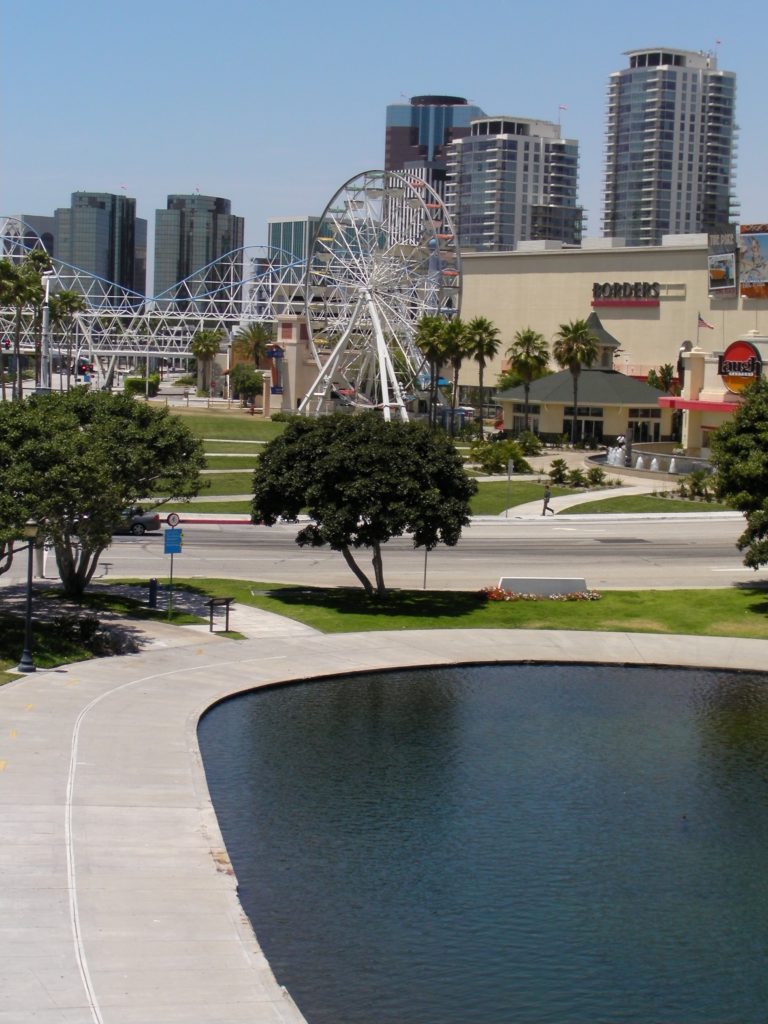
<point x="542" y="584"/>
<point x="219" y="602"/>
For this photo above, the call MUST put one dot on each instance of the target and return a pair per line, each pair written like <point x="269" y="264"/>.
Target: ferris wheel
<point x="384" y="255"/>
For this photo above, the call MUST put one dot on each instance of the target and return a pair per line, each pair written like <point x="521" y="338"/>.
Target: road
<point x="612" y="553"/>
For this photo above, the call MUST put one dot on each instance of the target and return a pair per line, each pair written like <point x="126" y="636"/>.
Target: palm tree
<point x="22" y="288"/>
<point x="62" y="308"/>
<point x="7" y="271"/>
<point x="457" y="348"/>
<point x="575" y="346"/>
<point x="253" y="340"/>
<point x="429" y="339"/>
<point x="483" y="342"/>
<point x="205" y="348"/>
<point x="663" y="378"/>
<point x="528" y="358"/>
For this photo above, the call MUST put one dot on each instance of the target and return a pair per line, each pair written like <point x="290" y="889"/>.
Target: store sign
<point x="739" y="366"/>
<point x="721" y="262"/>
<point x="626" y="293"/>
<point x="754" y="261"/>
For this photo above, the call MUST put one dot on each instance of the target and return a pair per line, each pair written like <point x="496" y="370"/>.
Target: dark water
<point x="504" y="845"/>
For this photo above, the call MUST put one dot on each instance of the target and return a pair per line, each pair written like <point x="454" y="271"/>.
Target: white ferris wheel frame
<point x="384" y="255"/>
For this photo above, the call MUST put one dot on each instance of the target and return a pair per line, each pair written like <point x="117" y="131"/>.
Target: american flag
<point x="703" y="323"/>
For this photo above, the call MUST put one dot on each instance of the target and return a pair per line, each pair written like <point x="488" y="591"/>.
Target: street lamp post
<point x="30" y="535"/>
<point x="45" y="361"/>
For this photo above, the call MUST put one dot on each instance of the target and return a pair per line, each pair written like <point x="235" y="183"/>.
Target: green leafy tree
<point x="663" y="378"/>
<point x="740" y="456"/>
<point x="429" y="337"/>
<point x="246" y="383"/>
<point x="575" y="346"/>
<point x="528" y="359"/>
<point x="364" y="481"/>
<point x="252" y="341"/>
<point x="74" y="460"/>
<point x="205" y="348"/>
<point x="483" y="343"/>
<point x="62" y="309"/>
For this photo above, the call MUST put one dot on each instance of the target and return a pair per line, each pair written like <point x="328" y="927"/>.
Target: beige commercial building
<point x="649" y="298"/>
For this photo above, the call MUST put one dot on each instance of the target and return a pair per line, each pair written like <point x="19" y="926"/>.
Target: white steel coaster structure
<point x="384" y="255"/>
<point x="257" y="283"/>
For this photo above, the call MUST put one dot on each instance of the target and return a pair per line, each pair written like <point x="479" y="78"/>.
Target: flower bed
<point x="499" y="594"/>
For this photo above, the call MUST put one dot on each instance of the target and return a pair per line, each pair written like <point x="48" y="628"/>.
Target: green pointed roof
<point x="595" y="325"/>
<point x="596" y="387"/>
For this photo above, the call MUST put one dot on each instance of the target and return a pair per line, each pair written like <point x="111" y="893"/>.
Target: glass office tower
<point x="98" y="234"/>
<point x="190" y="234"/>
<point x="670" y="135"/>
<point x="419" y="132"/>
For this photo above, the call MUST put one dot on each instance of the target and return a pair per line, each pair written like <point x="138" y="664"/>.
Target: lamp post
<point x="45" y="361"/>
<point x="30" y="535"/>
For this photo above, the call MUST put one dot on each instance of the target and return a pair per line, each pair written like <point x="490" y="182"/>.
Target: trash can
<point x="152" y="593"/>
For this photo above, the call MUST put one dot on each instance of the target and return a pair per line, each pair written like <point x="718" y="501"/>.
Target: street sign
<point x="173" y="519"/>
<point x="172" y="542"/>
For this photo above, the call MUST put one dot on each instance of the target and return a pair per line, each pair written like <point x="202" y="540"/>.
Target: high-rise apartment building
<point x="419" y="132"/>
<point x="190" y="234"/>
<point x="513" y="179"/>
<point x="97" y="233"/>
<point x="670" y="146"/>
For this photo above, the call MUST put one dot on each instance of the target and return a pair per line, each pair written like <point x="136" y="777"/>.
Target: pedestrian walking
<point x="547" y="497"/>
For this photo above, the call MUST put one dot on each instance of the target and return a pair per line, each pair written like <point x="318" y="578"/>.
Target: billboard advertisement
<point x="721" y="262"/>
<point x="754" y="260"/>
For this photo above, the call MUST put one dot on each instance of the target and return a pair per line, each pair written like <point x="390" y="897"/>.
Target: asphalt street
<point x="621" y="552"/>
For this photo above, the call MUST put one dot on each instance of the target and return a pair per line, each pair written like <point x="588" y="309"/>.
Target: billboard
<point x="721" y="262"/>
<point x="754" y="261"/>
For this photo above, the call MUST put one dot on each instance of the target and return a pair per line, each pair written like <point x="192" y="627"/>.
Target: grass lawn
<point x="645" y="503"/>
<point x="232" y="462"/>
<point x="206" y="507"/>
<point x="737" y="612"/>
<point x="251" y="448"/>
<point x="493" y="497"/>
<point x="233" y="425"/>
<point x="215" y="484"/>
<point x="741" y="612"/>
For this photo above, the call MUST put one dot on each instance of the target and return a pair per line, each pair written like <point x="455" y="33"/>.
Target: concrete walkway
<point x="119" y="904"/>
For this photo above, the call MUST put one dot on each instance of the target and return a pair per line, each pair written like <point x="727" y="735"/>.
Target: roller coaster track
<point x="252" y="284"/>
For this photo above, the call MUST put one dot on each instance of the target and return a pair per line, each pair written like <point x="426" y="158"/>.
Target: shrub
<point x="558" y="472"/>
<point x="576" y="478"/>
<point x="138" y="385"/>
<point x="596" y="477"/>
<point x="529" y="443"/>
<point x="189" y="380"/>
<point x="493" y="458"/>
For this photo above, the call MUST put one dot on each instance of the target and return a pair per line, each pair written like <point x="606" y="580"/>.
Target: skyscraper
<point x="670" y="146"/>
<point x="289" y="240"/>
<point x="97" y="233"/>
<point x="418" y="132"/>
<point x="513" y="179"/>
<point x="190" y="234"/>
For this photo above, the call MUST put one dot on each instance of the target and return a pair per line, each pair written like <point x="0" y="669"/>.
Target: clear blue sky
<point x="275" y="105"/>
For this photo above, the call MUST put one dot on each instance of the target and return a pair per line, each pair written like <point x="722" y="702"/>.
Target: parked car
<point x="138" y="522"/>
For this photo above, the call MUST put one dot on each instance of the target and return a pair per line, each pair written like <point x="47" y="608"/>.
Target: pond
<point x="526" y="844"/>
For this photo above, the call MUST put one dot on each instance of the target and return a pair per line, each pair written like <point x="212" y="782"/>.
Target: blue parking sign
<point x="172" y="541"/>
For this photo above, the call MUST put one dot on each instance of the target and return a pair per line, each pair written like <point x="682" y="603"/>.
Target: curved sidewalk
<point x="119" y="902"/>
